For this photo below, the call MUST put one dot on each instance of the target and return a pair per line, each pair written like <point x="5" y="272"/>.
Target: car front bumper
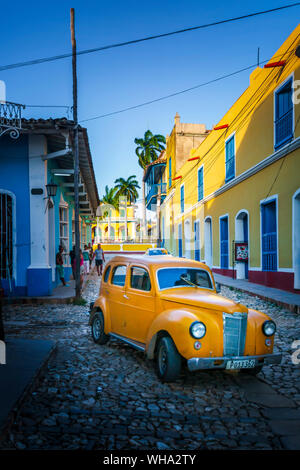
<point x="198" y="363"/>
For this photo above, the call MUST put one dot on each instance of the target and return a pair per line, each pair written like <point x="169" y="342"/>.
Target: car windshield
<point x="179" y="277"/>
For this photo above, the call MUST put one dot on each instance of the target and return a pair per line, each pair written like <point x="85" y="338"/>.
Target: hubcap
<point x="162" y="360"/>
<point x="96" y="328"/>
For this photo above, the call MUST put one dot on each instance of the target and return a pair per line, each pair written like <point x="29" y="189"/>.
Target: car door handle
<point x="126" y="296"/>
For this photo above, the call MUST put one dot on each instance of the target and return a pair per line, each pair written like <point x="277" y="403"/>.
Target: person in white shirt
<point x="99" y="257"/>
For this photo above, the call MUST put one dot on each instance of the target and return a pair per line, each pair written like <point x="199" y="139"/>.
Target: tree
<point x="127" y="189"/>
<point x="147" y="151"/>
<point x="109" y="199"/>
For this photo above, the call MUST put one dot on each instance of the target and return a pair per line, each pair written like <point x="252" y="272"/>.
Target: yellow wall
<point x="251" y="120"/>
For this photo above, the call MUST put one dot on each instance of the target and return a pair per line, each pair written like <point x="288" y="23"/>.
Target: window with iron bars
<point x="6" y="236"/>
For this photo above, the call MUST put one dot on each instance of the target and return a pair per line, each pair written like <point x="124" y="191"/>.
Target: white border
<point x="211" y="234"/>
<point x="228" y="232"/>
<point x="295" y="196"/>
<point x="244" y="211"/>
<point x="261" y="203"/>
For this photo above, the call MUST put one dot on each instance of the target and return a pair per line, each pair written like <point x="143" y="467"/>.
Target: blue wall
<point x="14" y="177"/>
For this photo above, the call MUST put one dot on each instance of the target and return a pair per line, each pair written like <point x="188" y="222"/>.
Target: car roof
<point x="159" y="261"/>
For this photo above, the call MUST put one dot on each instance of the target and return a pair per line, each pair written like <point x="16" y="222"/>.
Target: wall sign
<point x="37" y="191"/>
<point x="241" y="251"/>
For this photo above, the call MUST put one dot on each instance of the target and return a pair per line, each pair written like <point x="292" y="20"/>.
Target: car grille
<point x="234" y="333"/>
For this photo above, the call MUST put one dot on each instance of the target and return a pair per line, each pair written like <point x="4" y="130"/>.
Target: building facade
<point x="33" y="225"/>
<point x="233" y="201"/>
<point x="115" y="225"/>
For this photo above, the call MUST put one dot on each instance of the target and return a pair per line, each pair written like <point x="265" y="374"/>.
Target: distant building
<point x="233" y="200"/>
<point x="115" y="225"/>
<point x="32" y="226"/>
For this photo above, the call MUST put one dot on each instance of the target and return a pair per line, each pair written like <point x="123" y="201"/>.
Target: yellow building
<point x="233" y="200"/>
<point x="115" y="224"/>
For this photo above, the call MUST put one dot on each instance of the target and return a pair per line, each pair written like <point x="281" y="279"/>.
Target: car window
<point x="140" y="279"/>
<point x="119" y="275"/>
<point x="106" y="274"/>
<point x="179" y="277"/>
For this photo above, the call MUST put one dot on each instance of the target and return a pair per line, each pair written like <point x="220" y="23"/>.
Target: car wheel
<point x="168" y="360"/>
<point x="98" y="329"/>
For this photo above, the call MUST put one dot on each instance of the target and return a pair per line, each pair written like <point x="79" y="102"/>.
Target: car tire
<point x="97" y="328"/>
<point x="168" y="360"/>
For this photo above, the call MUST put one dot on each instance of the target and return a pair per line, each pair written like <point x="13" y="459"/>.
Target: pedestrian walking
<point x="86" y="260"/>
<point x="60" y="265"/>
<point x="99" y="257"/>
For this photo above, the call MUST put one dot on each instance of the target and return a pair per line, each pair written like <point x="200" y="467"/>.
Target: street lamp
<point x="51" y="189"/>
<point x="51" y="192"/>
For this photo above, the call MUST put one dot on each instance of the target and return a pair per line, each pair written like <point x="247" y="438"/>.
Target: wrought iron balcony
<point x="153" y="191"/>
<point x="10" y="118"/>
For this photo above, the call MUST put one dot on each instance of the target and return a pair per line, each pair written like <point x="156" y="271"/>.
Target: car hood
<point x="202" y="298"/>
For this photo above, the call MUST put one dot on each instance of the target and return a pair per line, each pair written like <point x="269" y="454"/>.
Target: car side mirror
<point x="218" y="288"/>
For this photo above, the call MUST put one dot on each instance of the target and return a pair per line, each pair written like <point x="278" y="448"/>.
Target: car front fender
<point x="102" y="305"/>
<point x="176" y="323"/>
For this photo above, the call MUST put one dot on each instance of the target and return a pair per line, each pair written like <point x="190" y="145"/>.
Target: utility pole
<point x="76" y="157"/>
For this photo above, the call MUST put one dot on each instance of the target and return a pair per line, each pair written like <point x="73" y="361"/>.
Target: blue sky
<point x="117" y="78"/>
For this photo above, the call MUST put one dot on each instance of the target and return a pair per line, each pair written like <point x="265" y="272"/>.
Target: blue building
<point x="33" y="225"/>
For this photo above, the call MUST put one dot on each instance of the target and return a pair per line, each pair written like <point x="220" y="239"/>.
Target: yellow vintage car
<point x="169" y="308"/>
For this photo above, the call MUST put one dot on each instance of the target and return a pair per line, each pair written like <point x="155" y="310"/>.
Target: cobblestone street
<point x="109" y="397"/>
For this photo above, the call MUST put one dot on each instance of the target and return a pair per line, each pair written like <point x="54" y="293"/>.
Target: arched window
<point x="6" y="236"/>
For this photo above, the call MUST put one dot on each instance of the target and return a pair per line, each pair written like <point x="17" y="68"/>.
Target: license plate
<point x="241" y="364"/>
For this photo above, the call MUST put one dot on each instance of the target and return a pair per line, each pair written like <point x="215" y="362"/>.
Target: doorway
<point x="241" y="235"/>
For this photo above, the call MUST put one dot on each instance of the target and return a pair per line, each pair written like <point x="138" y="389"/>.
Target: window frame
<point x="182" y="202"/>
<point x="130" y="278"/>
<point x="170" y="172"/>
<point x="231" y="137"/>
<point x="113" y="273"/>
<point x="109" y="270"/>
<point x="180" y="287"/>
<point x="201" y="169"/>
<point x="64" y="207"/>
<point x="277" y="90"/>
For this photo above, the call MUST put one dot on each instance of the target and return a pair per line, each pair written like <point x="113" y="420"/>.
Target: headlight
<point x="197" y="329"/>
<point x="269" y="328"/>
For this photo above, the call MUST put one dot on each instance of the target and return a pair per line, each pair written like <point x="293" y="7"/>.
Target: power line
<point x="222" y="77"/>
<point x="148" y="38"/>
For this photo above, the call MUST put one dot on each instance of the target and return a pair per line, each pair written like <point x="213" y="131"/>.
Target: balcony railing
<point x="154" y="191"/>
<point x="10" y="118"/>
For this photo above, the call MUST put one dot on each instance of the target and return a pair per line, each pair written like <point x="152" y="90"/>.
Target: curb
<point x="14" y="412"/>
<point x="292" y="307"/>
<point x="43" y="300"/>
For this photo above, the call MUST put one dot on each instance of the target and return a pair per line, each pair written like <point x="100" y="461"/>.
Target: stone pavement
<point x="24" y="359"/>
<point x="109" y="397"/>
<point x="280" y="297"/>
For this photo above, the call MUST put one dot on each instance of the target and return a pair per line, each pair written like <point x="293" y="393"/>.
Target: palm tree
<point x="109" y="198"/>
<point x="127" y="189"/>
<point x="147" y="151"/>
